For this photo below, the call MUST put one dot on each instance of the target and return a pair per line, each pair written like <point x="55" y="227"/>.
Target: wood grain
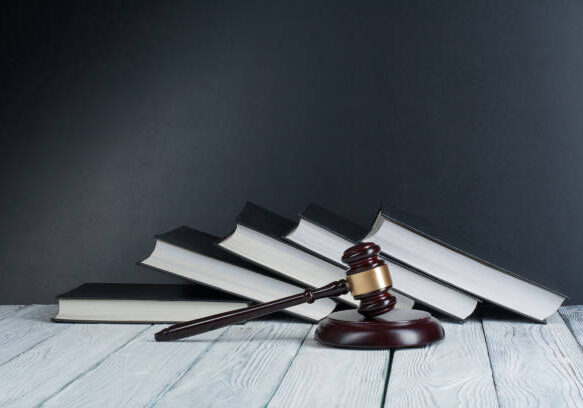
<point x="137" y="374"/>
<point x="453" y="372"/>
<point x="535" y="364"/>
<point x="8" y="310"/>
<point x="40" y="372"/>
<point x="573" y="317"/>
<point x="279" y="364"/>
<point x="332" y="377"/>
<point x="25" y="328"/>
<point x="242" y="369"/>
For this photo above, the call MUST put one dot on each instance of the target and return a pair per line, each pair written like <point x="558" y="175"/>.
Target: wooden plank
<point x="535" y="364"/>
<point x="136" y="374"/>
<point x="242" y="369"/>
<point x="451" y="373"/>
<point x="26" y="328"/>
<point x="40" y="372"/>
<point x="573" y="316"/>
<point x="331" y="377"/>
<point x="7" y="310"/>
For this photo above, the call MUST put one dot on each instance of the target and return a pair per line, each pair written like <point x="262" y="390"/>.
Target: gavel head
<point x="369" y="279"/>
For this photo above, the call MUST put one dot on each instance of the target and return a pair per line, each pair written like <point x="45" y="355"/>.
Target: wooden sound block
<point x="393" y="329"/>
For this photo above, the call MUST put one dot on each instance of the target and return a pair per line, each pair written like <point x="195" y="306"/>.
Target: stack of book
<point x="268" y="256"/>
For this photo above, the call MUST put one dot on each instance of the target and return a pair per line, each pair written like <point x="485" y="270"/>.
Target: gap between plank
<point x="288" y="367"/>
<point x="387" y="375"/>
<point x="571" y="330"/>
<point x="489" y="359"/>
<point x="93" y="367"/>
<point x="31" y="347"/>
<point x="186" y="370"/>
<point x="20" y="307"/>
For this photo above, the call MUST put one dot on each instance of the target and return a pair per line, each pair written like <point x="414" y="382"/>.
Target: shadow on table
<point x="492" y="312"/>
<point x="484" y="311"/>
<point x="263" y="336"/>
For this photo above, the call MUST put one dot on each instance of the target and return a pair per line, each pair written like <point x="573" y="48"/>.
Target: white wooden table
<point x="509" y="363"/>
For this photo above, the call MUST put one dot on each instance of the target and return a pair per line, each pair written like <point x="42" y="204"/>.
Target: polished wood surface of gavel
<point x="204" y="324"/>
<point x="375" y="325"/>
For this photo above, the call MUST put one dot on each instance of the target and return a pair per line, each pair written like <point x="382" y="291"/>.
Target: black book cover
<point x="141" y="291"/>
<point x="275" y="226"/>
<point x="334" y="223"/>
<point x="206" y="244"/>
<point x="264" y="221"/>
<point x="393" y="218"/>
<point x="347" y="229"/>
<point x="355" y="233"/>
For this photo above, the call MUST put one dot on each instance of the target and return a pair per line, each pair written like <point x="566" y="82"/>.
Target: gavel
<point x="376" y="323"/>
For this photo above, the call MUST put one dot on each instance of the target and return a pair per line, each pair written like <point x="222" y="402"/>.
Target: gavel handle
<point x="198" y="326"/>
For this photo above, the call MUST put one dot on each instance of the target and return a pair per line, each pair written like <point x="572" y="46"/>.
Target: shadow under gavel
<point x="376" y="323"/>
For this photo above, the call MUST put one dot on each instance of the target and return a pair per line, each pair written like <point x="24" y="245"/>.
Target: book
<point x="142" y="303"/>
<point x="257" y="238"/>
<point x="462" y="270"/>
<point x="194" y="255"/>
<point x="329" y="234"/>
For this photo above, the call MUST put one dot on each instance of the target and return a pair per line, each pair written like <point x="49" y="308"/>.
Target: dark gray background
<point x="119" y="121"/>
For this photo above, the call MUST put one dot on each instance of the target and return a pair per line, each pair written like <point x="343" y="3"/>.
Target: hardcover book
<point x="328" y="234"/>
<point x="462" y="270"/>
<point x="143" y="303"/>
<point x="257" y="238"/>
<point x="194" y="255"/>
